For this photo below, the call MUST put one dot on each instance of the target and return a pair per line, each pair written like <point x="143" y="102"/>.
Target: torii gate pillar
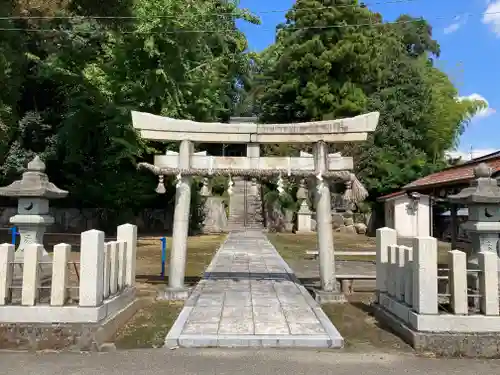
<point x="329" y="291"/>
<point x="176" y="289"/>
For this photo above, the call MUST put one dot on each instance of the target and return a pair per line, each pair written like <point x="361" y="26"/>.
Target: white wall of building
<point x="407" y="219"/>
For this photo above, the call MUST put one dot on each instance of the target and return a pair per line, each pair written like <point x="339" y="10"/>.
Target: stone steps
<point x="244" y="213"/>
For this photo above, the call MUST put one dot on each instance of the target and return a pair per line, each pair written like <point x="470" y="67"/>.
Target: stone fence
<point x="427" y="297"/>
<point x="84" y="287"/>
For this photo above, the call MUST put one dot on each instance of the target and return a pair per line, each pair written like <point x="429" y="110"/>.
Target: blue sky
<point x="468" y="32"/>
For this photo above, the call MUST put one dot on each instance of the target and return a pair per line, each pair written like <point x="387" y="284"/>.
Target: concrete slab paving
<point x="243" y="361"/>
<point x="250" y="297"/>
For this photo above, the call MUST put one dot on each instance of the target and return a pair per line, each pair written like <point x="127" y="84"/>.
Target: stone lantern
<point x="483" y="201"/>
<point x="304" y="215"/>
<point x="33" y="192"/>
<point x="205" y="190"/>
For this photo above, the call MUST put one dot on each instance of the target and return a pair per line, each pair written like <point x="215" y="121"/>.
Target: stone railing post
<point x="126" y="235"/>
<point x="6" y="274"/>
<point x="400" y="273"/>
<point x="114" y="263"/>
<point x="385" y="238"/>
<point x="122" y="264"/>
<point x="392" y="269"/>
<point x="107" y="268"/>
<point x="408" y="294"/>
<point x="425" y="275"/>
<point x="31" y="275"/>
<point x="91" y="268"/>
<point x="488" y="282"/>
<point x="60" y="258"/>
<point x="457" y="264"/>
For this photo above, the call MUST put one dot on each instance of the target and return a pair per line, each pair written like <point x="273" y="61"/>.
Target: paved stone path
<point x="250" y="297"/>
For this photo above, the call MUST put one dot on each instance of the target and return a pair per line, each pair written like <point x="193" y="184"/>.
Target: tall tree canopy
<point x="72" y="70"/>
<point x="343" y="61"/>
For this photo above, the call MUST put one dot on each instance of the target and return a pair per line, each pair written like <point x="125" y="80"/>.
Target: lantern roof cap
<point x="33" y="183"/>
<point x="483" y="189"/>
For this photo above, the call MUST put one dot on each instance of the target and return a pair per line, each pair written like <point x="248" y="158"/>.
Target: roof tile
<point x="450" y="175"/>
<point x="391" y="195"/>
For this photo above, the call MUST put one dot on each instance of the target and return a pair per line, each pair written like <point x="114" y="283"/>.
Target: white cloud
<point x="491" y="16"/>
<point x="452" y="28"/>
<point x="466" y="156"/>
<point x="485" y="112"/>
<point x="457" y="24"/>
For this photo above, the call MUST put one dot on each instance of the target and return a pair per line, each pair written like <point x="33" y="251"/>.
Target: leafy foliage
<point x="71" y="80"/>
<point x="321" y="72"/>
<point x="73" y="70"/>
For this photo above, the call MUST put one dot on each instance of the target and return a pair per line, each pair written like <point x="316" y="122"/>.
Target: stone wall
<point x="347" y="222"/>
<point x="149" y="221"/>
<point x="74" y="220"/>
<point x="159" y="221"/>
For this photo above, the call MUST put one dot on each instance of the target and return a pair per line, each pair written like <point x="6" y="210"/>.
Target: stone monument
<point x="483" y="201"/>
<point x="33" y="192"/>
<point x="205" y="190"/>
<point x="304" y="218"/>
<point x="304" y="215"/>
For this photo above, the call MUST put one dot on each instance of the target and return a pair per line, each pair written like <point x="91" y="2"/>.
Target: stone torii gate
<point x="319" y="166"/>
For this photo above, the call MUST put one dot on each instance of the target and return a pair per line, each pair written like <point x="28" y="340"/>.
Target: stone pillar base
<point x="323" y="297"/>
<point x="304" y="232"/>
<point x="173" y="294"/>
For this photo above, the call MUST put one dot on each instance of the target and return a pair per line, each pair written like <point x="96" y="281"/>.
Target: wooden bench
<point x="315" y="253"/>
<point x="347" y="281"/>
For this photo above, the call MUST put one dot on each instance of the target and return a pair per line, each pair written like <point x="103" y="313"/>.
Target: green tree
<point x="328" y="67"/>
<point x="79" y="77"/>
<point x="314" y="73"/>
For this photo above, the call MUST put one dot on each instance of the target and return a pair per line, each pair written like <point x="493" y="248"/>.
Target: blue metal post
<point x="14" y="234"/>
<point x="163" y="255"/>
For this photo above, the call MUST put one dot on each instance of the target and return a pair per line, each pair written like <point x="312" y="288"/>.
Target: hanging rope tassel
<point x="178" y="178"/>
<point x="320" y="184"/>
<point x="230" y="186"/>
<point x="281" y="185"/>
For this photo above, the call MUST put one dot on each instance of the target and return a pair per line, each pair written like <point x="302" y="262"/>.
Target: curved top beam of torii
<point x="159" y="128"/>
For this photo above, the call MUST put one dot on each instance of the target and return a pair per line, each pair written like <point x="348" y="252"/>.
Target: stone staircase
<point x="245" y="214"/>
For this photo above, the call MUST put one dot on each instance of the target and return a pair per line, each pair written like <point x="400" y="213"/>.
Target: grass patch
<point x="200" y="251"/>
<point x="293" y="247"/>
<point x="360" y="329"/>
<point x="149" y="326"/>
